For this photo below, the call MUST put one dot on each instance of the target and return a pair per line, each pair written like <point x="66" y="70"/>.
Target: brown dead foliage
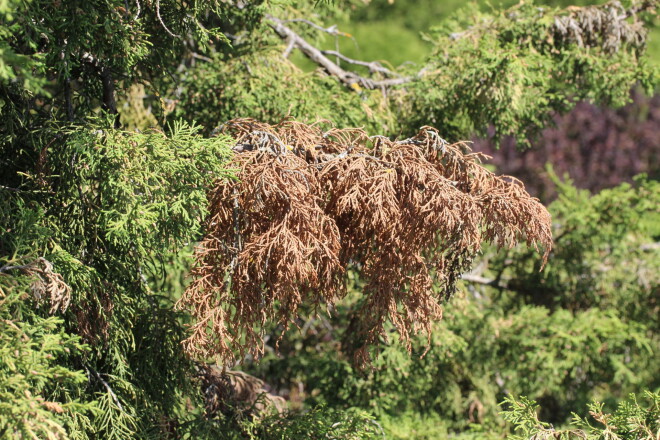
<point x="93" y="314"/>
<point x="408" y="214"/>
<point x="610" y="26"/>
<point x="53" y="407"/>
<point x="236" y="394"/>
<point x="48" y="285"/>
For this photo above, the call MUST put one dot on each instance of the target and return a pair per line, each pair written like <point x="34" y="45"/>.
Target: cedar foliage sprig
<point x="634" y="418"/>
<point x="105" y="208"/>
<point x="308" y="204"/>
<point x="501" y="73"/>
<point x="35" y="381"/>
<point x="506" y="73"/>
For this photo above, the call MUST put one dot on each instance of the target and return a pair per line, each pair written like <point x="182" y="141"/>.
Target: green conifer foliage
<point x="269" y="88"/>
<point x="98" y="222"/>
<point x="503" y="73"/>
<point x="102" y="206"/>
<point x="37" y="387"/>
<point x="638" y="417"/>
<point x="508" y="72"/>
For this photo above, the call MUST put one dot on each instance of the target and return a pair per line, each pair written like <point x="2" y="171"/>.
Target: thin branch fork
<point x="332" y="30"/>
<point x="7" y="268"/>
<point x="29" y="266"/>
<point x="373" y="66"/>
<point x="350" y="79"/>
<point x="8" y="188"/>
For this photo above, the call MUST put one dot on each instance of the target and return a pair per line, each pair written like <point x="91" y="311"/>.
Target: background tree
<point x="104" y="185"/>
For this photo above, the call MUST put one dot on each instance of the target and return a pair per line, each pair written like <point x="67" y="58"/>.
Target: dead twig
<point x="350" y="79"/>
<point x="107" y="387"/>
<point x="162" y="23"/>
<point x="332" y="30"/>
<point x="48" y="283"/>
<point x="373" y="66"/>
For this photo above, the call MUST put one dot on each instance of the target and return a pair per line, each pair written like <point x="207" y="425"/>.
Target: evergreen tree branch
<point x="107" y="387"/>
<point x="483" y="280"/>
<point x="160" y="19"/>
<point x="332" y="30"/>
<point x="7" y="268"/>
<point x="7" y="188"/>
<point x="350" y="79"/>
<point x="373" y="66"/>
<point x="108" y="84"/>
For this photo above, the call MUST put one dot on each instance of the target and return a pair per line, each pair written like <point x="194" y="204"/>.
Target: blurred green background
<point x="392" y="32"/>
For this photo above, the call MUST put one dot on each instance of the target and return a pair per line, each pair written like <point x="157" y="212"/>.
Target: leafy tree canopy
<point x="117" y="157"/>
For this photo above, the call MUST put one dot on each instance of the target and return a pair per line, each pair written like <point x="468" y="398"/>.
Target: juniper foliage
<point x="101" y="206"/>
<point x="634" y="418"/>
<point x="498" y="73"/>
<point x="97" y="222"/>
<point x="508" y="73"/>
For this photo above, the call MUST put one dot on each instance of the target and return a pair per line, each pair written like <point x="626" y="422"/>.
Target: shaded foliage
<point x="100" y="207"/>
<point x="38" y="390"/>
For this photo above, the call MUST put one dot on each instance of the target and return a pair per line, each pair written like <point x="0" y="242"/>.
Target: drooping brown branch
<point x="409" y="215"/>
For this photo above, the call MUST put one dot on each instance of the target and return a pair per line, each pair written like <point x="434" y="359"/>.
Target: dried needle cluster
<point x="607" y="26"/>
<point x="48" y="286"/>
<point x="408" y="215"/>
<point x="234" y="393"/>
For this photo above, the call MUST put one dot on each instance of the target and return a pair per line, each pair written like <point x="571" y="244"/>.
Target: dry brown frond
<point x="409" y="214"/>
<point x="48" y="285"/>
<point x="237" y="394"/>
<point x="608" y="26"/>
<point x="53" y="406"/>
<point x="93" y="314"/>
